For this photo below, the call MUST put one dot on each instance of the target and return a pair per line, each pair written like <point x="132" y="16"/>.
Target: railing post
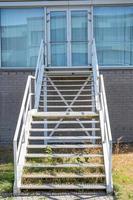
<point x="110" y="187"/>
<point x="15" y="166"/>
<point x="30" y="89"/>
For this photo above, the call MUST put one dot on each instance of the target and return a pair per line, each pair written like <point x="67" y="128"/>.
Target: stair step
<point x="74" y="90"/>
<point x="75" y="106"/>
<point x="89" y="67"/>
<point x="65" y="115"/>
<point x="63" y="176"/>
<point x="40" y="165"/>
<point x="38" y="155"/>
<point x="64" y="187"/>
<point x="69" y="72"/>
<point x="64" y="139"/>
<point x="67" y="80"/>
<point x="65" y="95"/>
<point x="59" y="101"/>
<point x="63" y="129"/>
<point x="68" y="138"/>
<point x="70" y="85"/>
<point x="66" y="146"/>
<point x="65" y="122"/>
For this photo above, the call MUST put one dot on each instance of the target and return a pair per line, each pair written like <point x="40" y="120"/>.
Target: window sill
<point x="21" y="69"/>
<point x="116" y="67"/>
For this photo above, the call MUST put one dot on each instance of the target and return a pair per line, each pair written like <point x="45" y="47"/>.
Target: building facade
<point x="67" y="28"/>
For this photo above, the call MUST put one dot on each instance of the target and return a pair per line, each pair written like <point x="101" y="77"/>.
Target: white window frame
<point x="48" y="33"/>
<point x="69" y="41"/>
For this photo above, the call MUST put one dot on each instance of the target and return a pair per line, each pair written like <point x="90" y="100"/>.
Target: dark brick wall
<point x="12" y="85"/>
<point x="119" y="90"/>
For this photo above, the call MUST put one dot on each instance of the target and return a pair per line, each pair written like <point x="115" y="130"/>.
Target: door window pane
<point x="113" y="30"/>
<point x="58" y="26"/>
<point x="21" y="34"/>
<point x="79" y="54"/>
<point x="59" y="56"/>
<point x="58" y="38"/>
<point x="79" y="26"/>
<point x="79" y="34"/>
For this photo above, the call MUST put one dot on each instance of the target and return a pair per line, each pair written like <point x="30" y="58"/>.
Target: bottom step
<point x="64" y="187"/>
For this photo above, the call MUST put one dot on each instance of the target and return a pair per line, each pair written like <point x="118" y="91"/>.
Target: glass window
<point x="79" y="26"/>
<point x="58" y="26"/>
<point x="58" y="38"/>
<point x="58" y="52"/>
<point x="79" y="23"/>
<point x="21" y="34"/>
<point x="79" y="54"/>
<point x="113" y="30"/>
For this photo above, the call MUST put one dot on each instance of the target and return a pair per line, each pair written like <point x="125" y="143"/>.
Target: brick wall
<point x="12" y="86"/>
<point x="119" y="90"/>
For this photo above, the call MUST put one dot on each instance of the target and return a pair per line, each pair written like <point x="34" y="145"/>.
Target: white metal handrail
<point x="101" y="106"/>
<point x="22" y="129"/>
<point x="95" y="74"/>
<point x="21" y="136"/>
<point x="106" y="135"/>
<point x="103" y="95"/>
<point x="39" y="74"/>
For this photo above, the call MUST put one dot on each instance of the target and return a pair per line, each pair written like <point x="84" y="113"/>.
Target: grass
<point x="122" y="172"/>
<point x="6" y="177"/>
<point x="6" y="170"/>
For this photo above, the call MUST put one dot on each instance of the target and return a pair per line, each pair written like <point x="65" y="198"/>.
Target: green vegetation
<point x="122" y="172"/>
<point x="6" y="177"/>
<point x="123" y="176"/>
<point x="6" y="170"/>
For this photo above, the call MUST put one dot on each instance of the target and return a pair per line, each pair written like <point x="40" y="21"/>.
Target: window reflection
<point x="22" y="31"/>
<point x="79" y="23"/>
<point x="58" y="38"/>
<point x="113" y="28"/>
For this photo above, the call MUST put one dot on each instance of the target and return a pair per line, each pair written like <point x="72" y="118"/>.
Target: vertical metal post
<point x="45" y="105"/>
<point x="30" y="89"/>
<point x="93" y="110"/>
<point x="15" y="167"/>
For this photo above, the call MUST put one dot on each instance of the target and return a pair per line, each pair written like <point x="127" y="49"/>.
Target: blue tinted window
<point x="113" y="30"/>
<point x="21" y="34"/>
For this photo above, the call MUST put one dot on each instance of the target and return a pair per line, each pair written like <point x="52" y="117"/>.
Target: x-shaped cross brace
<point x="71" y="104"/>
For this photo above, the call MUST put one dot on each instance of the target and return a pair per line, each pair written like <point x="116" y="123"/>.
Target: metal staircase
<point x="63" y="139"/>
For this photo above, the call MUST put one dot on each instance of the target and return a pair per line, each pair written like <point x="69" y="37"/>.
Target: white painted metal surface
<point x="63" y="3"/>
<point x="30" y="116"/>
<point x="95" y="74"/>
<point x="68" y="42"/>
<point x="21" y="134"/>
<point x="39" y="74"/>
<point x="106" y="135"/>
<point x="23" y="125"/>
<point x="64" y="186"/>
